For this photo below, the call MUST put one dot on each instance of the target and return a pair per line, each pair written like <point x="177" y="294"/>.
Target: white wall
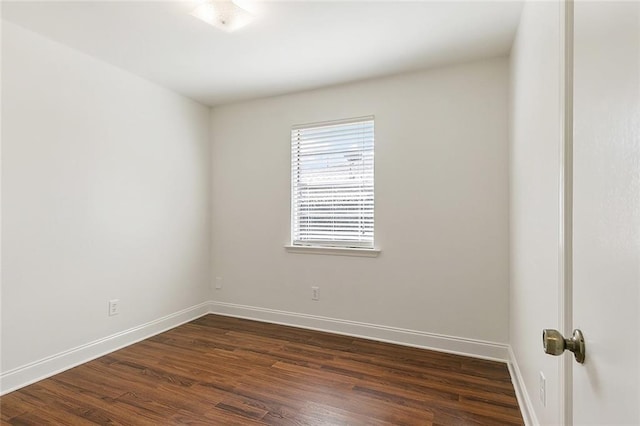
<point x="535" y="215"/>
<point x="441" y="204"/>
<point x="105" y="194"/>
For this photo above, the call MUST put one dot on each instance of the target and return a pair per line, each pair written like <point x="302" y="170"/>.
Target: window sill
<point x="333" y="251"/>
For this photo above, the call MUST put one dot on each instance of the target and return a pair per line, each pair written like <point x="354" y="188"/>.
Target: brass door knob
<point x="554" y="343"/>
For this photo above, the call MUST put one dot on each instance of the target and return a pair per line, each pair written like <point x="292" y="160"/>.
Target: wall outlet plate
<point x="543" y="390"/>
<point x="218" y="283"/>
<point x="114" y="307"/>
<point x="315" y="293"/>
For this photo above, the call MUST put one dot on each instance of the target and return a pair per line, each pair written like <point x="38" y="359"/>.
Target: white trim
<point x="333" y="251"/>
<point x="54" y="364"/>
<point x="524" y="402"/>
<point x="333" y="122"/>
<point x="419" y="339"/>
<point x="565" y="290"/>
<point x="49" y="366"/>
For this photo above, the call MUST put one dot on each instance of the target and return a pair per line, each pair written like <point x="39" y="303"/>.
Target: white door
<point x="606" y="211"/>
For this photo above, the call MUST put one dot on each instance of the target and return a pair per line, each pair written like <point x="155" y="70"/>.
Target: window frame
<point x="336" y="246"/>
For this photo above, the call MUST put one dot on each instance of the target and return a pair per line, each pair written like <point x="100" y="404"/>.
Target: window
<point x="332" y="195"/>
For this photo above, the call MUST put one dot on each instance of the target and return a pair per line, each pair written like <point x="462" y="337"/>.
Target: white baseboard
<point x="526" y="408"/>
<point x="420" y="339"/>
<point x="49" y="366"/>
<point x="38" y="370"/>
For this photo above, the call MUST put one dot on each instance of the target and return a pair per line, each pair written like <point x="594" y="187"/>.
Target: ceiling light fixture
<point x="227" y="15"/>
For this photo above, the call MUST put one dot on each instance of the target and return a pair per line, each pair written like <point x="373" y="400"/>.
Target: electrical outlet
<point x="218" y="283"/>
<point x="315" y="293"/>
<point x="543" y="390"/>
<point x="114" y="307"/>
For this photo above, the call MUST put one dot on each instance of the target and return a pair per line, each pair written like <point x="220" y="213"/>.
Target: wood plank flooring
<point x="225" y="371"/>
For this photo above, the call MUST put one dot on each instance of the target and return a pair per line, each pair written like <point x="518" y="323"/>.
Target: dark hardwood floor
<point x="225" y="371"/>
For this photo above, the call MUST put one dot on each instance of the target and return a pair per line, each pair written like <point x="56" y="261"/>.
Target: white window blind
<point x="332" y="175"/>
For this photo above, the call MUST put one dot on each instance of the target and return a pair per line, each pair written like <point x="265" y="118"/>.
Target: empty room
<point x="252" y="212"/>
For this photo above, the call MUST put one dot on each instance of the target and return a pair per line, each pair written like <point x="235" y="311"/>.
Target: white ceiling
<point x="292" y="46"/>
